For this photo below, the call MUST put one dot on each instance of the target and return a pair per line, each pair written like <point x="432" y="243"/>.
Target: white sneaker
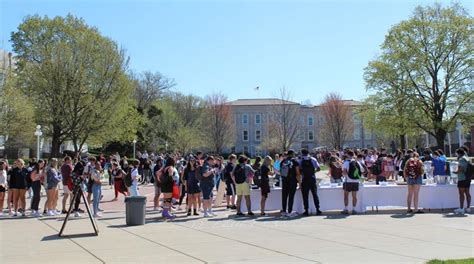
<point x="14" y="214"/>
<point x="206" y="214"/>
<point x="57" y="212"/>
<point x="467" y="210"/>
<point x="294" y="214"/>
<point x="50" y="213"/>
<point x="98" y="215"/>
<point x="459" y="211"/>
<point x="1" y="214"/>
<point x="283" y="214"/>
<point x="212" y="213"/>
<point x="77" y="214"/>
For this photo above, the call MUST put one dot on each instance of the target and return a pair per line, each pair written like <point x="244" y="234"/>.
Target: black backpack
<point x="127" y="180"/>
<point x="354" y="170"/>
<point x="307" y="168"/>
<point x="239" y="174"/>
<point x="469" y="171"/>
<point x="257" y="177"/>
<point x="376" y="168"/>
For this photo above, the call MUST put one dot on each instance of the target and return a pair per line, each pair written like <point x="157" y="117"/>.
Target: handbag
<point x="176" y="194"/>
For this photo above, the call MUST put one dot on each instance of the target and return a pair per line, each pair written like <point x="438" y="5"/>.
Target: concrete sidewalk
<point x="388" y="237"/>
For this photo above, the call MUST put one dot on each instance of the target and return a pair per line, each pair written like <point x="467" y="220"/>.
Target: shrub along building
<point x="254" y="122"/>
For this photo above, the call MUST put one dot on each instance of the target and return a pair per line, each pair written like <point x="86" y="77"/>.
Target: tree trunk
<point x="440" y="135"/>
<point x="56" y="142"/>
<point x="402" y="141"/>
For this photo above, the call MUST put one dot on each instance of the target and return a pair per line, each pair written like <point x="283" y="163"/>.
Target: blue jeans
<point x="134" y="189"/>
<point x="97" y="192"/>
<point x="206" y="188"/>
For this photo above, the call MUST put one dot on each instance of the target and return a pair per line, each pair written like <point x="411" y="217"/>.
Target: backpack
<point x="127" y="180"/>
<point x="257" y="177"/>
<point x="354" y="170"/>
<point x="376" y="168"/>
<point x="413" y="168"/>
<point x="198" y="173"/>
<point x="239" y="174"/>
<point x="469" y="171"/>
<point x="285" y="168"/>
<point x="307" y="168"/>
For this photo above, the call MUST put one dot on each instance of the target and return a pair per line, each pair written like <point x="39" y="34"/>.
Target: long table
<point x="369" y="195"/>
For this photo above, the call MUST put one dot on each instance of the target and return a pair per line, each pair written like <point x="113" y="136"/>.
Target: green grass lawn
<point x="452" y="261"/>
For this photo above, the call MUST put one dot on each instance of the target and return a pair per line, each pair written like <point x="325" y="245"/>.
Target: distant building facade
<point x="251" y="119"/>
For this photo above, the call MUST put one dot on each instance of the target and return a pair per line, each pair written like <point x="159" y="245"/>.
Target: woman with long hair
<point x="464" y="182"/>
<point x="192" y="187"/>
<point x="413" y="173"/>
<point x="18" y="186"/>
<point x="53" y="180"/>
<point x="167" y="183"/>
<point x="37" y="176"/>
<point x="265" y="172"/>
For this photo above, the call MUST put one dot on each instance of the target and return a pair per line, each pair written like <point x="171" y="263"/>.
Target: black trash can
<point x="135" y="210"/>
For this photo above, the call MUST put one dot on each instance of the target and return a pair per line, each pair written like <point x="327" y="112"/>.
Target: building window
<point x="258" y="135"/>
<point x="245" y="135"/>
<point x="246" y="150"/>
<point x="302" y="136"/>
<point x="258" y="119"/>
<point x="310" y="121"/>
<point x="245" y="119"/>
<point x="310" y="135"/>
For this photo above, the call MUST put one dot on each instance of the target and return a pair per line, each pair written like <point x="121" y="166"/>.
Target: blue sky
<point x="310" y="47"/>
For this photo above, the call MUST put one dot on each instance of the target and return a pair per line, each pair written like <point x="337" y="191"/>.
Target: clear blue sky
<point x="310" y="47"/>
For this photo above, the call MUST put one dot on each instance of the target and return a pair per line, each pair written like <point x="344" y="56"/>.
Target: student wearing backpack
<point x="352" y="173"/>
<point x="335" y="169"/>
<point x="291" y="177"/>
<point x="230" y="185"/>
<point x="309" y="166"/>
<point x="377" y="168"/>
<point x="240" y="177"/>
<point x="413" y="173"/>
<point x="464" y="173"/>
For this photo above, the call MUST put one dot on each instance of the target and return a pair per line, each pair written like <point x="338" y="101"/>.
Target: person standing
<point x="18" y="186"/>
<point x="133" y="189"/>
<point x="265" y="173"/>
<point x="192" y="186"/>
<point x="167" y="182"/>
<point x="119" y="186"/>
<point x="230" y="185"/>
<point x="352" y="172"/>
<point x="241" y="178"/>
<point x="3" y="184"/>
<point x="464" y="182"/>
<point x="37" y="176"/>
<point x="309" y="166"/>
<point x="96" y="189"/>
<point x="413" y="173"/>
<point x="291" y="177"/>
<point x="52" y="177"/>
<point x="157" y="170"/>
<point x="207" y="184"/>
<point x="335" y="169"/>
<point x="66" y="171"/>
<point x="438" y="164"/>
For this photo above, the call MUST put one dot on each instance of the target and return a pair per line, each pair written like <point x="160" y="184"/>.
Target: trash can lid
<point x="135" y="199"/>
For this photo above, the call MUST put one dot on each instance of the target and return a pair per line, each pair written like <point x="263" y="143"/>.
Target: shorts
<point x="350" y="186"/>
<point x="243" y="189"/>
<point x="157" y="189"/>
<point x="415" y="181"/>
<point x="265" y="189"/>
<point x="464" y="184"/>
<point x="230" y="188"/>
<point x="167" y="187"/>
<point x="89" y="185"/>
<point x="2" y="189"/>
<point x="206" y="188"/>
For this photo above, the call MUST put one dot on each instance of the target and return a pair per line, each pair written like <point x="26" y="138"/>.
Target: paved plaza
<point x="384" y="237"/>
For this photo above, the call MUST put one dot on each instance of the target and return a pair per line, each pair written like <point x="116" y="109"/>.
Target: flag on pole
<point x="256" y="88"/>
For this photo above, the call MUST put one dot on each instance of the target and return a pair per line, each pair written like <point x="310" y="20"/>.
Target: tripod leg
<point x="76" y="192"/>
<point x="96" y="229"/>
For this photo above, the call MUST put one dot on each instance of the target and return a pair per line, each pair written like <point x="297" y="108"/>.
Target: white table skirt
<point x="331" y="198"/>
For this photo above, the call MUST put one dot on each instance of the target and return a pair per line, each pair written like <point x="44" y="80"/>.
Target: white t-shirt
<point x="3" y="178"/>
<point x="135" y="176"/>
<point x="345" y="170"/>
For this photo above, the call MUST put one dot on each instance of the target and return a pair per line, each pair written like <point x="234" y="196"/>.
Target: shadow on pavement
<point x="56" y="237"/>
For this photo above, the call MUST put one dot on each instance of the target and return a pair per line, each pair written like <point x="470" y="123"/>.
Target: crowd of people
<point x="197" y="178"/>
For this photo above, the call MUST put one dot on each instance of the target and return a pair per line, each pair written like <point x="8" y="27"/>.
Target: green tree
<point x="76" y="78"/>
<point x="434" y="49"/>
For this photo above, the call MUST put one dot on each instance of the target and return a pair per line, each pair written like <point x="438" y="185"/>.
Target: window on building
<point x="245" y="119"/>
<point x="310" y="120"/>
<point x="310" y="135"/>
<point x="258" y="135"/>
<point x="245" y="135"/>
<point x="258" y="119"/>
<point x="302" y="136"/>
<point x="246" y="149"/>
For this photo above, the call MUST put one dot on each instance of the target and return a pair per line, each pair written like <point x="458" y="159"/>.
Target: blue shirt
<point x="438" y="165"/>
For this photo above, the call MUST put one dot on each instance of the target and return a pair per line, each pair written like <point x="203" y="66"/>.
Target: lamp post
<point x="134" y="148"/>
<point x="38" y="134"/>
<point x="460" y="135"/>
